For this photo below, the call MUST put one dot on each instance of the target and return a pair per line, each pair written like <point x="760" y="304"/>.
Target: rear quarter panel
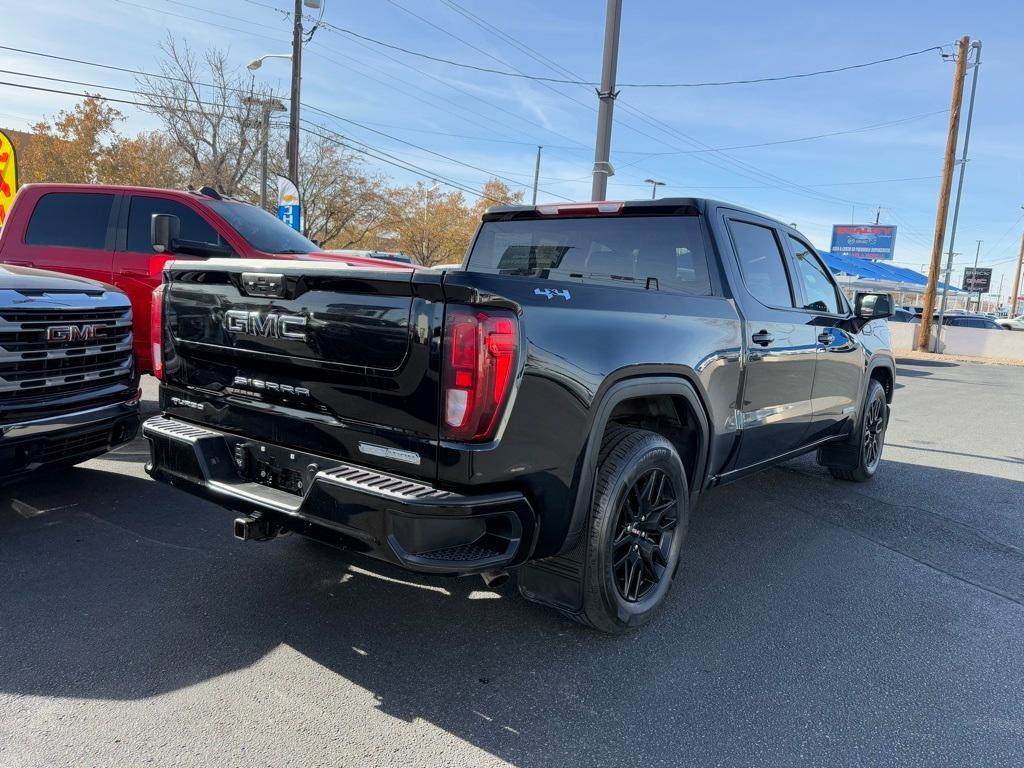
<point x="574" y="349"/>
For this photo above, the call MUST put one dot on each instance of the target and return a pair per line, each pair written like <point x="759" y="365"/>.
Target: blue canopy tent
<point x="880" y="273"/>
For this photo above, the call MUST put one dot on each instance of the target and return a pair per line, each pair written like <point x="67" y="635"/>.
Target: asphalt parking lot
<point x="814" y="623"/>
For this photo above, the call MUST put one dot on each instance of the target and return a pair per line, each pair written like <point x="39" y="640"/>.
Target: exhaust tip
<point x="494" y="579"/>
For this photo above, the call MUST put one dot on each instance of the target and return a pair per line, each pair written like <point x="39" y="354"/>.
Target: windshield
<point x="261" y="229"/>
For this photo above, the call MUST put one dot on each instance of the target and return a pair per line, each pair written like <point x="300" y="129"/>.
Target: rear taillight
<point x="156" y="330"/>
<point x="479" y="367"/>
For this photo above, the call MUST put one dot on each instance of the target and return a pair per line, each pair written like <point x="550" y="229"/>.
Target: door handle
<point x="763" y="338"/>
<point x="825" y="338"/>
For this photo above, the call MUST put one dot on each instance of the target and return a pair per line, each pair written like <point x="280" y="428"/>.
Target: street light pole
<point x="536" y="174"/>
<point x="654" y="186"/>
<point x="977" y="251"/>
<point x="606" y="96"/>
<point x="293" y="118"/>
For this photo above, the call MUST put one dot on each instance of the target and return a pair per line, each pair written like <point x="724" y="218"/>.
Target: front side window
<point x="820" y="294"/>
<point x="71" y="220"/>
<point x="662" y="253"/>
<point x="193" y="226"/>
<point x="762" y="263"/>
<point x="263" y="231"/>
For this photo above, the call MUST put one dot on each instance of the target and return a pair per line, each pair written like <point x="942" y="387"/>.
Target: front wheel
<point x="858" y="460"/>
<point x="637" y="526"/>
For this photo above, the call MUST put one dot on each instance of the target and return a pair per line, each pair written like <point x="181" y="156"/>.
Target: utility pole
<point x="878" y="214"/>
<point x="606" y="97"/>
<point x="976" y="45"/>
<point x="944" y="190"/>
<point x="1015" y="285"/>
<point x="536" y="174"/>
<point x="293" y="118"/>
<point x="264" y="148"/>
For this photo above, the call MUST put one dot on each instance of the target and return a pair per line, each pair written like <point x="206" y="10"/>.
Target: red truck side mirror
<point x="163" y="231"/>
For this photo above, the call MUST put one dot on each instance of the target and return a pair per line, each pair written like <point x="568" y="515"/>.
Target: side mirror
<point x="873" y="306"/>
<point x="164" y="229"/>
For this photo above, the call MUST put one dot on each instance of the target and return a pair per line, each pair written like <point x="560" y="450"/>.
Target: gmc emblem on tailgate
<point x="267" y="326"/>
<point x="58" y="333"/>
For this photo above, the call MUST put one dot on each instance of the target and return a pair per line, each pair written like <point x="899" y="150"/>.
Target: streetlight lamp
<point x="654" y="186"/>
<point x="255" y="64"/>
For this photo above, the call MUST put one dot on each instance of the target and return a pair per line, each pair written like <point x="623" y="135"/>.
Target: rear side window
<point x="820" y="293"/>
<point x="663" y="253"/>
<point x="193" y="226"/>
<point x="70" y="219"/>
<point x="764" y="269"/>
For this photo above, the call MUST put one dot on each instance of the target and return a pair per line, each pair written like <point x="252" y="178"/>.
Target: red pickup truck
<point x="105" y="233"/>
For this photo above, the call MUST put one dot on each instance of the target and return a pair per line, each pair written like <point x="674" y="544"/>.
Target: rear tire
<point x="636" y="530"/>
<point x="858" y="459"/>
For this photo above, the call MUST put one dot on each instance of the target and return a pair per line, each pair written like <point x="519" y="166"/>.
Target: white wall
<point x="971" y="342"/>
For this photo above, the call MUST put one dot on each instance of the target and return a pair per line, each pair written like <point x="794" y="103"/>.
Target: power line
<point x="430" y="151"/>
<point x="664" y="127"/>
<point x="128" y="70"/>
<point x="591" y="83"/>
<point x="861" y="129"/>
<point x="217" y="104"/>
<point x="386" y="157"/>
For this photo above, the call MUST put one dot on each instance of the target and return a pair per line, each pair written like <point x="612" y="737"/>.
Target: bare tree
<point x="212" y="113"/>
<point x="342" y="205"/>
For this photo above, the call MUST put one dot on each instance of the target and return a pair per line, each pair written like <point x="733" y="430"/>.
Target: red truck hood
<point x="355" y="261"/>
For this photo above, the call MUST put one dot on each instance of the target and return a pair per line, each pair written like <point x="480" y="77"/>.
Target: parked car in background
<point x="966" y="320"/>
<point x="1012" y="323"/>
<point x="104" y="233"/>
<point x="558" y="406"/>
<point x="404" y="258"/>
<point x="69" y="386"/>
<point x="901" y="315"/>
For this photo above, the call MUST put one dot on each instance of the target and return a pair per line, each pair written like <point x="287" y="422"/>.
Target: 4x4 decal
<point x="552" y="292"/>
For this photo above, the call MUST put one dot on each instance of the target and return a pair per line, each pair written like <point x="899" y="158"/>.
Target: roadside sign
<point x="977" y="279"/>
<point x="8" y="176"/>
<point x="288" y="209"/>
<point x="864" y="241"/>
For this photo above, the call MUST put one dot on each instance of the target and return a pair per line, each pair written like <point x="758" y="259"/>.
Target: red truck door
<point x="70" y="232"/>
<point x="137" y="268"/>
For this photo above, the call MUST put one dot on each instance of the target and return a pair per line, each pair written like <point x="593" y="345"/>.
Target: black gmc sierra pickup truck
<point x="556" y="406"/>
<point x="69" y="387"/>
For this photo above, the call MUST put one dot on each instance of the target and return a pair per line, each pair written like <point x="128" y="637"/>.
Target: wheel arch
<point x="884" y="372"/>
<point x="615" y="399"/>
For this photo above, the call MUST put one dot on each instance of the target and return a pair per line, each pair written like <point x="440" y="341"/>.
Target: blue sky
<point x="495" y="123"/>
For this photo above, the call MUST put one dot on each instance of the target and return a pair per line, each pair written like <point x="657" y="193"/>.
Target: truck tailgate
<point x="330" y="360"/>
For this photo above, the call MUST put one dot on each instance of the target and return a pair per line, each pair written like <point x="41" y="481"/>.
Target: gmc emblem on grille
<point x="59" y="333"/>
<point x="268" y="326"/>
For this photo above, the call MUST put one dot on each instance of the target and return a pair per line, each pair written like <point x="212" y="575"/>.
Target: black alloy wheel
<point x="874" y="431"/>
<point x="644" y="526"/>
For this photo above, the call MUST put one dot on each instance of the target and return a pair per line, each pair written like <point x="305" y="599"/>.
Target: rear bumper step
<point x="392" y="518"/>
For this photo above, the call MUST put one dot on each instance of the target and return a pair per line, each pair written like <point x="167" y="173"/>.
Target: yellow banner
<point x="8" y="176"/>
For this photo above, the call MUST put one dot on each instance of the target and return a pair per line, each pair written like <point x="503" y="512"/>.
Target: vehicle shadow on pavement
<point x="801" y="608"/>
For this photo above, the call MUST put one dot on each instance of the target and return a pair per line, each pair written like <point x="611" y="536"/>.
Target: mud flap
<point x="557" y="581"/>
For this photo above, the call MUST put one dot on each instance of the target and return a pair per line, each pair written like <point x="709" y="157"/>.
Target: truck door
<point x="780" y="345"/>
<point x="137" y="267"/>
<point x="70" y="232"/>
<point x="839" y="372"/>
